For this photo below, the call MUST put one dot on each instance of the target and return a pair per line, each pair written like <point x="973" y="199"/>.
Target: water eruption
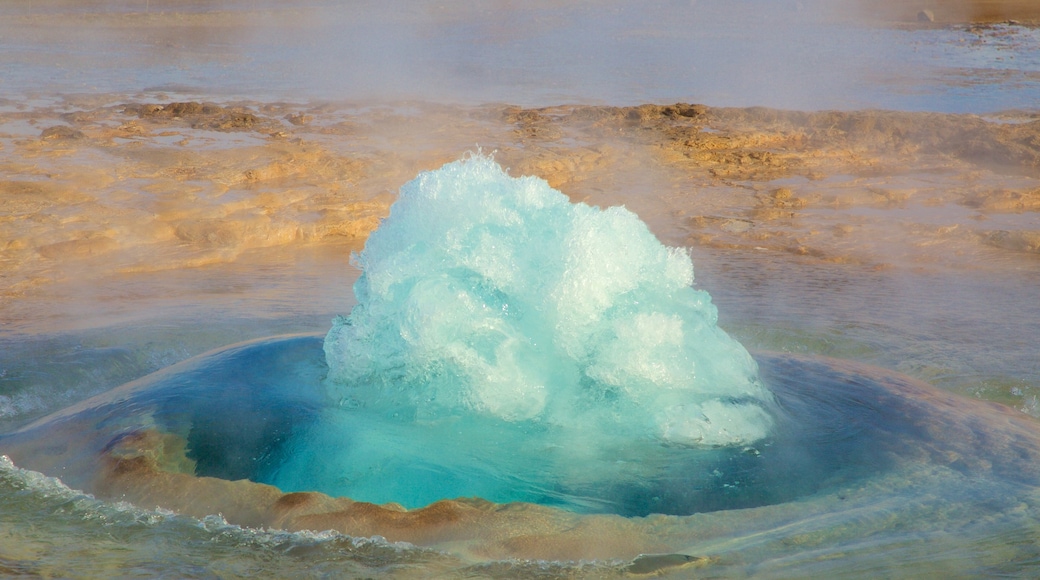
<point x="512" y="345"/>
<point x="177" y="177"/>
<point x="525" y="377"/>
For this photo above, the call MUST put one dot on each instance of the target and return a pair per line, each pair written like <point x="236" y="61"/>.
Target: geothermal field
<point x="554" y="289"/>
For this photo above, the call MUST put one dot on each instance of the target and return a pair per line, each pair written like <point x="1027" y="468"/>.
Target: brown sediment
<point x="152" y="186"/>
<point x="830" y="163"/>
<point x="140" y="470"/>
<point x="1003" y="200"/>
<point x="940" y="12"/>
<point x="131" y="184"/>
<point x="204" y="116"/>
<point x="1021" y="241"/>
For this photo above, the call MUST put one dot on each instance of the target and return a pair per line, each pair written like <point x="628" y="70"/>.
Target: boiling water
<point x="499" y="322"/>
<point x="838" y="484"/>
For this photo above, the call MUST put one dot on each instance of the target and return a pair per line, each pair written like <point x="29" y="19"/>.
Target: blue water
<point x="854" y="477"/>
<point x="525" y="337"/>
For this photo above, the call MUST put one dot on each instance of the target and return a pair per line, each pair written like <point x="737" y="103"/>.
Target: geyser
<point x="512" y="345"/>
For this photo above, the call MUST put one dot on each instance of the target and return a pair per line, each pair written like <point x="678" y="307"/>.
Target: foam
<point x="496" y="295"/>
<point x="491" y="308"/>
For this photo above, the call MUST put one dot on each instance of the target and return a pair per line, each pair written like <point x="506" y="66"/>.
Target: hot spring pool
<point x="861" y="462"/>
<point x="135" y="235"/>
<point x="528" y="385"/>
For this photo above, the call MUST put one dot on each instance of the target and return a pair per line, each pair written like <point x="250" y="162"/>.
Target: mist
<point x="790" y="54"/>
<point x="855" y="181"/>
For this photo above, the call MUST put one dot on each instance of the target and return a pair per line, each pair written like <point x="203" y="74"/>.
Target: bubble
<point x="511" y="344"/>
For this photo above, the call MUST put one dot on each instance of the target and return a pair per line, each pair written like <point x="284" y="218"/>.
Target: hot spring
<point x="527" y="377"/>
<point x="535" y="349"/>
<point x="521" y="378"/>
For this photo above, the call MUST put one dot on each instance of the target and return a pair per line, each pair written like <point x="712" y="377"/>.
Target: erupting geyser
<point x="510" y="344"/>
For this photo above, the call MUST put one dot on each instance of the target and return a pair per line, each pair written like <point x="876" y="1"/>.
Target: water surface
<point x="786" y="54"/>
<point x="134" y="238"/>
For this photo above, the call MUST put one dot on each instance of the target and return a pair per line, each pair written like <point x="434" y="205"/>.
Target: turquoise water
<point x="496" y="319"/>
<point x="896" y="485"/>
<point x="854" y="474"/>
<point x="855" y="467"/>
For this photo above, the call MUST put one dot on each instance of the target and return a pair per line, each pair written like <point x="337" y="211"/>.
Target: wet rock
<point x="534" y="124"/>
<point x="1004" y="200"/>
<point x="199" y="115"/>
<point x="89" y="246"/>
<point x="61" y="133"/>
<point x="235" y="121"/>
<point x="733" y="225"/>
<point x="189" y="109"/>
<point x="132" y="128"/>
<point x="653" y="564"/>
<point x="209" y="232"/>
<point x="80" y="117"/>
<point x="1018" y="241"/>
<point x="684" y="110"/>
<point x="777" y="205"/>
<point x="781" y="194"/>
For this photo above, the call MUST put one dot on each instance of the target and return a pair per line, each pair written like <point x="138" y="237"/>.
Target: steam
<point x="790" y="54"/>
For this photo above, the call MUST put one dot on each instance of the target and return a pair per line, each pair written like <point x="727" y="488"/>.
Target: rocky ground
<point x="93" y="190"/>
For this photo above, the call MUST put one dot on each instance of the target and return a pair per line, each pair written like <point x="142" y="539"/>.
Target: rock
<point x="926" y="16"/>
<point x="654" y="564"/>
<point x="61" y="133"/>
